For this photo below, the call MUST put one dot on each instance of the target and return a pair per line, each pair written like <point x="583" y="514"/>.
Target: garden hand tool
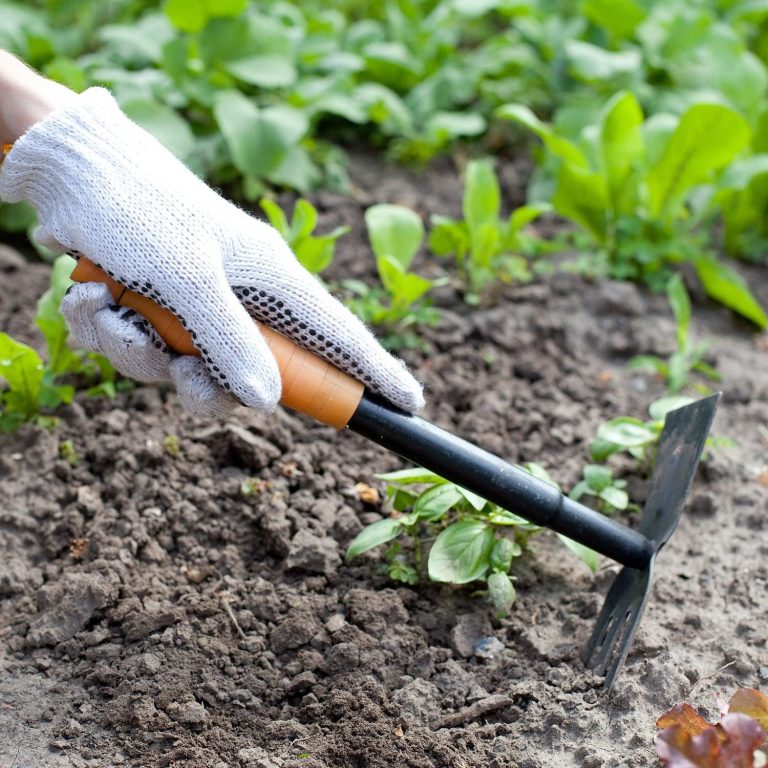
<point x="317" y="389"/>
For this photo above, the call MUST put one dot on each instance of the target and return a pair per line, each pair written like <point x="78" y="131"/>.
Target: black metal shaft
<point x="497" y="481"/>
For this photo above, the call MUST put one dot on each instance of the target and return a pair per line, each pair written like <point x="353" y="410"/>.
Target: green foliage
<point x="314" y="252"/>
<point x="396" y="234"/>
<point x="474" y="540"/>
<point x="598" y="482"/>
<point x="688" y="356"/>
<point x="485" y="247"/>
<point x="639" y="186"/>
<point x="34" y="387"/>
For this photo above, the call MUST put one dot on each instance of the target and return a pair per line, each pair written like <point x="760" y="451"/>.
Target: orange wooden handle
<point x="310" y="385"/>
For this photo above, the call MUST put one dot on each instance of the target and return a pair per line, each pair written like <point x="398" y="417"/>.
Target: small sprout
<point x="171" y="445"/>
<point x="69" y="453"/>
<point x="598" y="482"/>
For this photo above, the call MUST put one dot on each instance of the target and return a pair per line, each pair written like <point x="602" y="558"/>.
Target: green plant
<point x="689" y="356"/>
<point x="396" y="234"/>
<point x="598" y="481"/>
<point x="315" y="252"/>
<point x="486" y="247"/>
<point x="35" y="387"/>
<point x="172" y="446"/>
<point x="470" y="538"/>
<point x="640" y="188"/>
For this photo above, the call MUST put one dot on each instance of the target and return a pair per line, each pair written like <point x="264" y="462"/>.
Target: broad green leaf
<point x="408" y="476"/>
<point x="482" y="196"/>
<point x="276" y="216"/>
<point x="539" y="472"/>
<point x="501" y="592"/>
<point x="391" y="273"/>
<point x="265" y="70"/>
<point x="410" y="289"/>
<point x="477" y="502"/>
<point x="503" y="552"/>
<point x="258" y="139"/>
<point x="524" y="215"/>
<point x="657" y="131"/>
<point x="681" y="307"/>
<point x="582" y="196"/>
<point x="597" y="476"/>
<point x="588" y="556"/>
<point x="164" y="123"/>
<point x="372" y="536"/>
<point x="592" y="63"/>
<point x="621" y="150"/>
<point x="22" y="369"/>
<point x="436" y="501"/>
<point x="16" y="217"/>
<point x="619" y="18"/>
<point x="447" y="237"/>
<point x="708" y="137"/>
<point x="394" y="231"/>
<point x="616" y="497"/>
<point x="193" y="15"/>
<point x="557" y="145"/>
<point x="460" y="552"/>
<point x="728" y="287"/>
<point x="601" y="449"/>
<point x="626" y="432"/>
<point x="741" y="173"/>
<point x="304" y="219"/>
<point x="443" y="127"/>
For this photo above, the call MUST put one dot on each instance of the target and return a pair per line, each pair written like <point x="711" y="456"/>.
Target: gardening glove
<point x="105" y="188"/>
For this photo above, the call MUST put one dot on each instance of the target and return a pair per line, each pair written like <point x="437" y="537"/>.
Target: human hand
<point x="105" y="188"/>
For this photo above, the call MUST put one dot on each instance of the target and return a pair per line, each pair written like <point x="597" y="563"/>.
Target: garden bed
<point x="155" y="612"/>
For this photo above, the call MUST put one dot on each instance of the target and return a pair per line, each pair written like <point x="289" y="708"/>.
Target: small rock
<point x="470" y="628"/>
<point x="149" y="663"/>
<point x="488" y="647"/>
<point x="418" y="701"/>
<point x="252" y="451"/>
<point x="187" y="712"/>
<point x="294" y="631"/>
<point x="313" y="554"/>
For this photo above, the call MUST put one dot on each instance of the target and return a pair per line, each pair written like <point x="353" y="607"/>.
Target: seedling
<point x="485" y="247"/>
<point x="689" y="356"/>
<point x="34" y="386"/>
<point x="609" y="492"/>
<point x="314" y="252"/>
<point x="172" y="446"/>
<point x="396" y="234"/>
<point x="471" y="539"/>
<point x="635" y="186"/>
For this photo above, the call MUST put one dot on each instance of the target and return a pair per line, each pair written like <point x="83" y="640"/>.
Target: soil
<point x="154" y="614"/>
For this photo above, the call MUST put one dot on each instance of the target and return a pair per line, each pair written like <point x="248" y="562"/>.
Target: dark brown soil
<point x="152" y="614"/>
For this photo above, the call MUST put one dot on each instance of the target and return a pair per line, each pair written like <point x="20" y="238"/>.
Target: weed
<point x="69" y="453"/>
<point x="172" y="446"/>
<point x="689" y="356"/>
<point x="470" y="539"/>
<point x="314" y="252"/>
<point x="485" y="247"/>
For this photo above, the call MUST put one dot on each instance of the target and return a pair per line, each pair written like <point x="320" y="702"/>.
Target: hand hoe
<point x="316" y="388"/>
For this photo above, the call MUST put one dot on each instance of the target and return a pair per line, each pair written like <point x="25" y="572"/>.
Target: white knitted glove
<point x="104" y="187"/>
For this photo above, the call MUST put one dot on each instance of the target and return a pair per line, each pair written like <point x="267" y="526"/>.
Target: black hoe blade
<point x="680" y="448"/>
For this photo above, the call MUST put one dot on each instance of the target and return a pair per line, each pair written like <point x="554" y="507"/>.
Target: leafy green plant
<point x="633" y="181"/>
<point x="396" y="234"/>
<point x="689" y="356"/>
<point x="598" y="482"/>
<point x="35" y="387"/>
<point x="315" y="252"/>
<point x="470" y="539"/>
<point x="486" y="247"/>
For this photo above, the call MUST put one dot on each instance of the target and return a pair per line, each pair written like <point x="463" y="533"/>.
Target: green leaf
<point x="22" y="369"/>
<point x="436" y="501"/>
<point x="276" y="216"/>
<point x="503" y="552"/>
<point x="16" y="217"/>
<point x="193" y="15"/>
<point x="524" y="215"/>
<point x="482" y="196"/>
<point x="621" y="150"/>
<point x="619" y="18"/>
<point x="582" y="196"/>
<point x="539" y="472"/>
<point x="616" y="497"/>
<point x="708" y="137"/>
<point x="501" y="592"/>
<point x="259" y="139"/>
<point x="61" y="359"/>
<point x="411" y="476"/>
<point x="164" y="123"/>
<point x="475" y="501"/>
<point x="649" y="362"/>
<point x="728" y="287"/>
<point x="460" y="552"/>
<point x="658" y="409"/>
<point x="681" y="307"/>
<point x="394" y="231"/>
<point x="557" y="145"/>
<point x="600" y="449"/>
<point x="443" y="127"/>
<point x="626" y="432"/>
<point x="592" y="63"/>
<point x="597" y="476"/>
<point x="273" y="70"/>
<point x="585" y="554"/>
<point x="372" y="536"/>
